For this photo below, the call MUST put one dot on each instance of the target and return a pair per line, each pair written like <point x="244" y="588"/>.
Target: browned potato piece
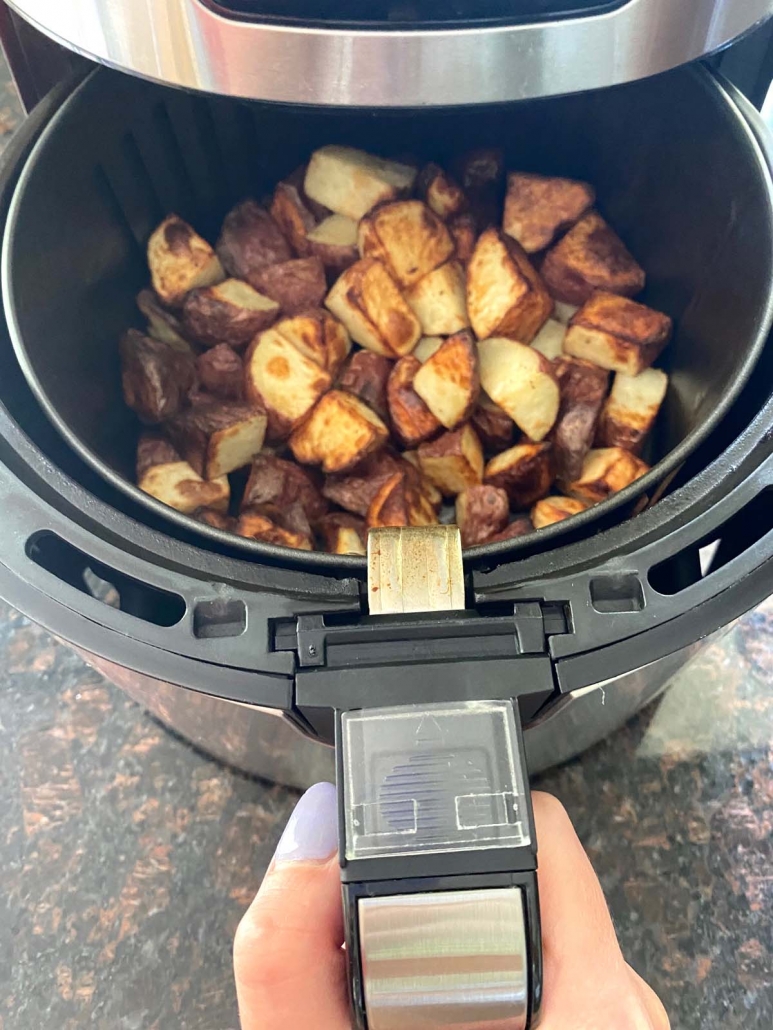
<point x="408" y="238"/>
<point x="616" y="333"/>
<point x="365" y="375"/>
<point x="356" y="489"/>
<point x="454" y="461"/>
<point x="426" y="487"/>
<point x="255" y="523"/>
<point x="162" y="324"/>
<point x="154" y="449"/>
<point x="464" y="233"/>
<point x="606" y="471"/>
<point x="368" y="302"/>
<point x="481" y="512"/>
<point x="338" y="433"/>
<point x="505" y="296"/>
<point x="296" y="178"/>
<point x="549" y="341"/>
<point x="520" y="380"/>
<point x="294" y="285"/>
<point x="163" y="474"/>
<point x="318" y="336"/>
<point x="334" y="241"/>
<point x="563" y="312"/>
<point x="275" y="481"/>
<point x="218" y="437"/>
<point x="524" y="472"/>
<point x="539" y="207"/>
<point x="343" y="533"/>
<point x="221" y="372"/>
<point x="215" y="519"/>
<point x="482" y="175"/>
<point x="493" y="425"/>
<point x="555" y="509"/>
<point x="439" y="300"/>
<point x="156" y="376"/>
<point x="293" y="217"/>
<point x="351" y="182"/>
<point x="412" y="421"/>
<point x="631" y="409"/>
<point x="591" y="257"/>
<point x="440" y="192"/>
<point x="284" y="381"/>
<point x="250" y="241"/>
<point x="399" y="503"/>
<point x="231" y="312"/>
<point x="518" y="527"/>
<point x="180" y="260"/>
<point x="426" y="347"/>
<point x="583" y="389"/>
<point x="448" y="381"/>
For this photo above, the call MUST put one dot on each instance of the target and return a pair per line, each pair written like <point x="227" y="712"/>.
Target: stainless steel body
<point x="185" y="43"/>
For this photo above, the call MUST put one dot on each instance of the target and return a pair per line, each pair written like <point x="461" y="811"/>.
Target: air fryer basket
<point x="677" y="170"/>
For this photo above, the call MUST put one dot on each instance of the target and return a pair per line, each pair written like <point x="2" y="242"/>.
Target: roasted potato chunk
<point x="563" y="312"/>
<point x="180" y="260"/>
<point x="289" y="211"/>
<point x="366" y="375"/>
<point x="408" y="238"/>
<point x="162" y="324"/>
<point x="354" y="490"/>
<point x="505" y="296"/>
<point x="464" y="233"/>
<point x="251" y="241"/>
<point x="161" y="473"/>
<point x="258" y="524"/>
<point x="522" y="382"/>
<point x="334" y="241"/>
<point x="295" y="285"/>
<point x="524" y="472"/>
<point x="631" y="409"/>
<point x="215" y="519"/>
<point x="583" y="389"/>
<point x="448" y="382"/>
<point x="342" y="533"/>
<point x="398" y="502"/>
<point x="419" y="480"/>
<point x="454" y="461"/>
<point x="549" y="341"/>
<point x="284" y="381"/>
<point x="220" y="372"/>
<point x="319" y="337"/>
<point x="156" y="377"/>
<point x="539" y="207"/>
<point x="591" y="257"/>
<point x="153" y="448"/>
<point x="555" y="509"/>
<point x="520" y="526"/>
<point x="282" y="483"/>
<point x="230" y="312"/>
<point x="216" y="438"/>
<point x="481" y="512"/>
<point x="439" y="300"/>
<point x="606" y="471"/>
<point x="368" y="302"/>
<point x="482" y="176"/>
<point x="426" y="347"/>
<point x="412" y="421"/>
<point x="351" y="182"/>
<point x="440" y="192"/>
<point x="338" y="433"/>
<point x="618" y="334"/>
<point x="493" y="425"/>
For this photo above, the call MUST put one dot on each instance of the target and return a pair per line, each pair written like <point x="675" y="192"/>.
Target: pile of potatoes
<point x="376" y="341"/>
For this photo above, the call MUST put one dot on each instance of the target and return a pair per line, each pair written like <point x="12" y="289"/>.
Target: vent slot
<point x="219" y="618"/>
<point x="619" y="593"/>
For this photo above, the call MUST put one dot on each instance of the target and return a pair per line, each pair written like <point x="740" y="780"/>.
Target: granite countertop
<point x="127" y="857"/>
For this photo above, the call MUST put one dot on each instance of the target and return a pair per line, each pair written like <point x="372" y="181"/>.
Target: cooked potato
<point x="606" y="471"/>
<point x="481" y="512"/>
<point x="319" y="337"/>
<point x="539" y="207"/>
<point x="153" y="448"/>
<point x="338" y="433"/>
<point x="408" y="238"/>
<point x="426" y="347"/>
<point x="555" y="509"/>
<point x="492" y="424"/>
<point x="464" y="233"/>
<point x="342" y="533"/>
<point x="454" y="461"/>
<point x="398" y="503"/>
<point x="354" y="490"/>
<point x="505" y="296"/>
<point x="176" y="484"/>
<point x="273" y="480"/>
<point x="295" y="285"/>
<point x="420" y="481"/>
<point x="162" y="324"/>
<point x="216" y="519"/>
<point x="439" y="300"/>
<point x="230" y="312"/>
<point x="412" y="421"/>
<point x="282" y="379"/>
<point x="366" y="375"/>
<point x="180" y="260"/>
<point x="563" y="312"/>
<point x="520" y="526"/>
<point x="522" y="382"/>
<point x="351" y="182"/>
<point x="221" y="373"/>
<point x="257" y="524"/>
<point x="616" y="333"/>
<point x="524" y="472"/>
<point x="156" y="376"/>
<point x="218" y="437"/>
<point x="368" y="302"/>
<point x="440" y="192"/>
<point x="448" y="382"/>
<point x="297" y="178"/>
<point x="334" y="241"/>
<point x="251" y="241"/>
<point x="293" y="217"/>
<point x="591" y="257"/>
<point x="549" y="341"/>
<point x="583" y="389"/>
<point x="631" y="409"/>
<point x="482" y="176"/>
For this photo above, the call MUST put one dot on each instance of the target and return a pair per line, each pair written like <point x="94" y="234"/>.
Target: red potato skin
<point x="481" y="512"/>
<point x="412" y="421"/>
<point x="494" y="427"/>
<point x="330" y="524"/>
<point x="295" y="285"/>
<point x="156" y="377"/>
<point x="283" y="483"/>
<point x="192" y="430"/>
<point x="521" y="526"/>
<point x="355" y="490"/>
<point x="583" y="389"/>
<point x="365" y="375"/>
<point x="250" y="241"/>
<point x="215" y="519"/>
<point x="221" y="373"/>
<point x="154" y="449"/>
<point x="292" y="215"/>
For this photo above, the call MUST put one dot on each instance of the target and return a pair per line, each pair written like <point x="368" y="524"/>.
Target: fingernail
<point x="312" y="832"/>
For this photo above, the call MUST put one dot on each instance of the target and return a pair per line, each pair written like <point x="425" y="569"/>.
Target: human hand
<point x="291" y="969"/>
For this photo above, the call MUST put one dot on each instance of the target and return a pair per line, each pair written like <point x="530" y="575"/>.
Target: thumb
<point x="288" y="960"/>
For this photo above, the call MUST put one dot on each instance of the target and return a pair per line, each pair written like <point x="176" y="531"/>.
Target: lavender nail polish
<point x="312" y="832"/>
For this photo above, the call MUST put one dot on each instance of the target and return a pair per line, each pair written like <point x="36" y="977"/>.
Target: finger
<point x="650" y="1000"/>
<point x="288" y="958"/>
